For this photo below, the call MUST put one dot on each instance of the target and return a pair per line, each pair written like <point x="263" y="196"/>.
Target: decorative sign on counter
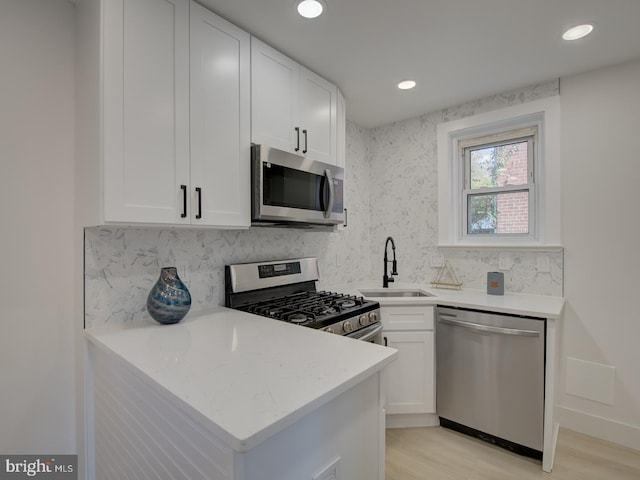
<point x="495" y="283"/>
<point x="447" y="277"/>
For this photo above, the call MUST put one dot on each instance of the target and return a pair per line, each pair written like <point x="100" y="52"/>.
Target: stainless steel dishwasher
<point x="490" y="377"/>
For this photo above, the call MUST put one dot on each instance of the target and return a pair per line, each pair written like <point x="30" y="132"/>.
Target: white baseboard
<point x="407" y="420"/>
<point x="606" y="429"/>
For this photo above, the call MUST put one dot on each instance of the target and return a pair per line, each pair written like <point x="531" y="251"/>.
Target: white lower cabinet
<point x="410" y="378"/>
<point x="410" y="384"/>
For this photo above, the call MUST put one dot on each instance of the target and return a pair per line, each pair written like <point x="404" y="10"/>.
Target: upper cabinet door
<point x="146" y="110"/>
<point x="275" y="96"/>
<point x="341" y="135"/>
<point x="318" y="113"/>
<point x="220" y="121"/>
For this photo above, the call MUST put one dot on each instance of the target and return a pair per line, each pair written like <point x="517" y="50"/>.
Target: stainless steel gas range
<point x="286" y="290"/>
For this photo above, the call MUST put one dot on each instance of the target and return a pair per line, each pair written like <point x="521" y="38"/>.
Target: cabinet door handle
<point x="346" y="217"/>
<point x="386" y="342"/>
<point x="184" y="201"/>
<point x="306" y="149"/>
<point x="199" y="192"/>
<point x="297" y="139"/>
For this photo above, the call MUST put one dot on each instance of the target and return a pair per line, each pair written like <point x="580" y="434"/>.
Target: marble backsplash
<point x="391" y="189"/>
<point x="404" y="203"/>
<point x="471" y="267"/>
<point x="123" y="263"/>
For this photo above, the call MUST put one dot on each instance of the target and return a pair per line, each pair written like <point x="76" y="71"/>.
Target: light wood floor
<point x="436" y="453"/>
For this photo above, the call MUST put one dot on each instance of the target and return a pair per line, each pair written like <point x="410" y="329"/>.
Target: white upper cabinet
<point x="220" y="121"/>
<point x="318" y="113"/>
<point x="293" y="109"/>
<point x="145" y="110"/>
<point x="341" y="136"/>
<point x="275" y="98"/>
<point x="176" y="115"/>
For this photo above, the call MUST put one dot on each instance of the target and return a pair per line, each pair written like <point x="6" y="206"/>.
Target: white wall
<point x="37" y="404"/>
<point x="601" y="181"/>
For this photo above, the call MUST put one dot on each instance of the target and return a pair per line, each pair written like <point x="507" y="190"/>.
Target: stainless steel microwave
<point x="290" y="190"/>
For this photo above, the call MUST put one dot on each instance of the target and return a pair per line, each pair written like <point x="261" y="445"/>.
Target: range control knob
<point x="329" y="330"/>
<point x="373" y="317"/>
<point x="347" y="327"/>
<point x="364" y="321"/>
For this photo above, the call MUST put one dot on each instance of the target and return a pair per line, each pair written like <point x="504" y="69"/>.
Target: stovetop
<point x="312" y="309"/>
<point x="286" y="290"/>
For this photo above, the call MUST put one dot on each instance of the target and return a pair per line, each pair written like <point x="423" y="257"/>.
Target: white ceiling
<point x="457" y="50"/>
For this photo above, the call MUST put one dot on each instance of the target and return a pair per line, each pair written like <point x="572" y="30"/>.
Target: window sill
<point x="503" y="247"/>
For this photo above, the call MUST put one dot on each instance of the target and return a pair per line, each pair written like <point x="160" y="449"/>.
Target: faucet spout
<point x="386" y="279"/>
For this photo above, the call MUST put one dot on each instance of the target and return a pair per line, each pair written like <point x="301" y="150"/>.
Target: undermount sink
<point x="395" y="293"/>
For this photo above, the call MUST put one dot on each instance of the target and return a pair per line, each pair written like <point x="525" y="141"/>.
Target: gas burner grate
<point x="305" y="307"/>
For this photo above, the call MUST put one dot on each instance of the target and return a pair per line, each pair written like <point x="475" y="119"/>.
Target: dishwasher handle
<point x="488" y="328"/>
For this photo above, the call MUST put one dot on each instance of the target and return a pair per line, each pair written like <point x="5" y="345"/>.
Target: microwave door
<point x="290" y="194"/>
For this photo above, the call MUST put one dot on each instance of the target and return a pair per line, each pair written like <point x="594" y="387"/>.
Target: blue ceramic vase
<point x="169" y="300"/>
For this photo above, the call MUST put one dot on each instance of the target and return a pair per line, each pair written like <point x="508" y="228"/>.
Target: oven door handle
<point x="329" y="180"/>
<point x="370" y="335"/>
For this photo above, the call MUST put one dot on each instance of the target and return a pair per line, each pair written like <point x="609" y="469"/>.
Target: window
<point x="499" y="178"/>
<point x="498" y="194"/>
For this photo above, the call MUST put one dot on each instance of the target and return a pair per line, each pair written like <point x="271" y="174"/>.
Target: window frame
<point x="545" y="114"/>
<point x="530" y="135"/>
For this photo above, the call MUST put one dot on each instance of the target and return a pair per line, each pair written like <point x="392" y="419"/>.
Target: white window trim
<point x="545" y="114"/>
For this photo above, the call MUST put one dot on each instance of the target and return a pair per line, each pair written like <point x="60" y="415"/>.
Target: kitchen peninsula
<point x="229" y="395"/>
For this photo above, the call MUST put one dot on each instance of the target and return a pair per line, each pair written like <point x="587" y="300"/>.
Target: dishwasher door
<point x="490" y="374"/>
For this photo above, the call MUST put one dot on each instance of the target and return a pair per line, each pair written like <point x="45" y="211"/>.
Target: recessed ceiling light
<point x="578" y="32"/>
<point x="310" y="8"/>
<point x="406" y="85"/>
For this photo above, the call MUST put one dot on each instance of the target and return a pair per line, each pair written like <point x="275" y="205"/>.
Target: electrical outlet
<point x="543" y="264"/>
<point x="436" y="261"/>
<point x="182" y="272"/>
<point x="505" y="262"/>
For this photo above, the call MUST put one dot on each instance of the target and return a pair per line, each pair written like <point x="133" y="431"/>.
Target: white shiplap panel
<point x="151" y="440"/>
<point x="180" y="431"/>
<point x="115" y="456"/>
<point x="130" y="454"/>
<point x="201" y="448"/>
<point x="140" y="435"/>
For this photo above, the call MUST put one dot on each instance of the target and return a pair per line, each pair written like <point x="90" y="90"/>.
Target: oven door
<point x="290" y="188"/>
<point x="372" y="334"/>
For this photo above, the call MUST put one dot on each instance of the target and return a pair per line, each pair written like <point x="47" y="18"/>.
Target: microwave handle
<point x="329" y="179"/>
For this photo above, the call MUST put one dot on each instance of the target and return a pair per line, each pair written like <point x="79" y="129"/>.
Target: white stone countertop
<point x="515" y="303"/>
<point x="243" y="377"/>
